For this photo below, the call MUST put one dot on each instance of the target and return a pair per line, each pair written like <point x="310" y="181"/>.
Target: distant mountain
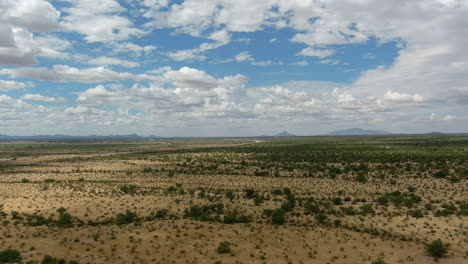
<point x="68" y="137"/>
<point x="434" y="133"/>
<point x="284" y="134"/>
<point x="357" y="132"/>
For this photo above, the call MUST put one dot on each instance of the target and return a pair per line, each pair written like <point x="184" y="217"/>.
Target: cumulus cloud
<point x="35" y="15"/>
<point x="193" y="92"/>
<point x="428" y="71"/>
<point x="99" y="21"/>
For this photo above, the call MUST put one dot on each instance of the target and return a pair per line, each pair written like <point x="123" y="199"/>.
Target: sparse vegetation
<point x="288" y="200"/>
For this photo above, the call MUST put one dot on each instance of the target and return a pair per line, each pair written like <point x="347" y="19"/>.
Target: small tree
<point x="437" y="248"/>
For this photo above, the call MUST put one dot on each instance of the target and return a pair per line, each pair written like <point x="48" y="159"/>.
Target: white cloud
<point x="222" y="37"/>
<point x="35" y="15"/>
<point x="7" y="85"/>
<point x="64" y="73"/>
<point x="402" y="98"/>
<point x="38" y="97"/>
<point x="107" y="61"/>
<point x="319" y="53"/>
<point x="99" y="21"/>
<point x="448" y="117"/>
<point x="243" y="56"/>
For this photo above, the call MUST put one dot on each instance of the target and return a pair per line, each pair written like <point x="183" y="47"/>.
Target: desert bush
<point x="361" y="177"/>
<point x="224" y="247"/>
<point x="65" y="220"/>
<point x="10" y="256"/>
<point x="441" y="174"/>
<point x="321" y="218"/>
<point x="437" y="248"/>
<point x="128" y="188"/>
<point x="127" y="218"/>
<point x="278" y="217"/>
<point x="417" y="213"/>
<point x="379" y="261"/>
<point x="230" y="195"/>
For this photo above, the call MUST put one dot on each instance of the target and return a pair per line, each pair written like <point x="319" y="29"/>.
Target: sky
<point x="232" y="68"/>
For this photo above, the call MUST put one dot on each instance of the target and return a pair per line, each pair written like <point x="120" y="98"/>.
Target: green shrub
<point x="321" y="218"/>
<point x="10" y="256"/>
<point x="277" y="192"/>
<point x="379" y="261"/>
<point x="361" y="178"/>
<point x="127" y="218"/>
<point x="52" y="260"/>
<point x="417" y="213"/>
<point x="278" y="217"/>
<point x="24" y="180"/>
<point x="337" y="201"/>
<point x="437" y="248"/>
<point x="230" y="195"/>
<point x="65" y="220"/>
<point x="441" y="174"/>
<point x="224" y="247"/>
<point x="128" y="188"/>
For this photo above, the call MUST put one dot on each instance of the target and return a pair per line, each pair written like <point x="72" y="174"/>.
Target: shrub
<point x="230" y="195"/>
<point x="441" y="174"/>
<point x="224" y="247"/>
<point x="161" y="213"/>
<point x="337" y="201"/>
<point x="361" y="178"/>
<point x="10" y="256"/>
<point x="128" y="188"/>
<point x="250" y="193"/>
<point x="51" y="260"/>
<point x="379" y="261"/>
<point x="437" y="248"/>
<point x="127" y="218"/>
<point x="277" y="192"/>
<point x="65" y="220"/>
<point x="24" y="180"/>
<point x="321" y="218"/>
<point x="416" y="213"/>
<point x="311" y="207"/>
<point x="454" y="179"/>
<point x="278" y="217"/>
<point x="367" y="209"/>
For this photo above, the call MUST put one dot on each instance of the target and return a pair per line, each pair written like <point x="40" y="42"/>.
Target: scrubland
<point x="360" y="199"/>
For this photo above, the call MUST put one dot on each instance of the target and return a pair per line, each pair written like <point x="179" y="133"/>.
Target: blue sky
<point x="232" y="68"/>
